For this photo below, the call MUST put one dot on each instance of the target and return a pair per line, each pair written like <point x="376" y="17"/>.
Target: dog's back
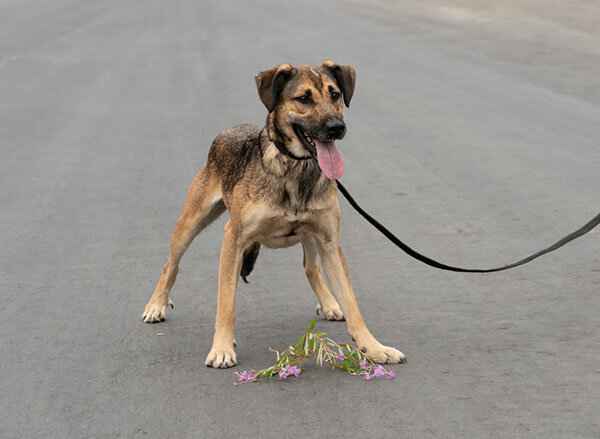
<point x="232" y="151"/>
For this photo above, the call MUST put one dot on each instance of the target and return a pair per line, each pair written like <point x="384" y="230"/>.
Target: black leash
<point x="411" y="252"/>
<point x="389" y="235"/>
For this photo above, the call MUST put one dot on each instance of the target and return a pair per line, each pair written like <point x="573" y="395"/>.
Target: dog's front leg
<point x="222" y="354"/>
<point x="336" y="270"/>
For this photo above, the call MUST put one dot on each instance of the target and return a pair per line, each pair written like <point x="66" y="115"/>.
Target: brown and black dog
<point x="276" y="200"/>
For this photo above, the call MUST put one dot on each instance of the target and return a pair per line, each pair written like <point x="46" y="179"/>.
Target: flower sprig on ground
<point x="324" y="351"/>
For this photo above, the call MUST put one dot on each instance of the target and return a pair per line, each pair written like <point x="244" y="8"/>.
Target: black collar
<point x="283" y="149"/>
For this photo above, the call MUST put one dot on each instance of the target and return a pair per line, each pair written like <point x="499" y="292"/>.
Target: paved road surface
<point x="474" y="133"/>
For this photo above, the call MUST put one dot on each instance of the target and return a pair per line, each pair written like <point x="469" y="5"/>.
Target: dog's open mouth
<point x="329" y="157"/>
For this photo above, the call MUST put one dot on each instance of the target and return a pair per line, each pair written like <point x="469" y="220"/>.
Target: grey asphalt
<point x="473" y="133"/>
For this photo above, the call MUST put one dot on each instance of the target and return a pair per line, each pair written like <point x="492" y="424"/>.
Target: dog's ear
<point x="345" y="77"/>
<point x="271" y="82"/>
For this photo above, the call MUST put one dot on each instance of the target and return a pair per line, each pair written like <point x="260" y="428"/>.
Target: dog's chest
<point x="283" y="228"/>
<point x="292" y="196"/>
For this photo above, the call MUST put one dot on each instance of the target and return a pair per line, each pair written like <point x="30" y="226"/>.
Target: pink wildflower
<point x="379" y="371"/>
<point x="246" y="375"/>
<point x="288" y="370"/>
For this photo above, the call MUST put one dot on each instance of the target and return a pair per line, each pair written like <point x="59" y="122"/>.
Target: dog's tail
<point x="250" y="256"/>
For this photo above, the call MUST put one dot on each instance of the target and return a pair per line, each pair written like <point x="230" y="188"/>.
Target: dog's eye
<point x="305" y="99"/>
<point x="335" y="95"/>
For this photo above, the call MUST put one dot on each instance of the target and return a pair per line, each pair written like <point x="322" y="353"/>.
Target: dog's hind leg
<point x="204" y="204"/>
<point x="327" y="303"/>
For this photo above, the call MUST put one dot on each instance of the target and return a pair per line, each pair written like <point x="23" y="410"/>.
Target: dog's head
<point x="305" y="108"/>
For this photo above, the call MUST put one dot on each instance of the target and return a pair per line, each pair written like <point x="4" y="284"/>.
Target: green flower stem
<point x="324" y="350"/>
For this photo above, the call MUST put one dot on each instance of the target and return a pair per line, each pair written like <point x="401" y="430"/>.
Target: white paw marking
<point x="385" y="354"/>
<point x="155" y="312"/>
<point x="221" y="358"/>
<point x="332" y="312"/>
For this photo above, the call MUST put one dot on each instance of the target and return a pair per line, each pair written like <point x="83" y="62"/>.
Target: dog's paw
<point x="155" y="312"/>
<point x="385" y="354"/>
<point x="331" y="312"/>
<point x="221" y="358"/>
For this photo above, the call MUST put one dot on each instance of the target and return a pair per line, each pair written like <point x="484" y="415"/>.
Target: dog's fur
<point x="275" y="201"/>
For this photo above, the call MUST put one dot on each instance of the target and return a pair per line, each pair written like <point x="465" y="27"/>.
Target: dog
<point x="276" y="197"/>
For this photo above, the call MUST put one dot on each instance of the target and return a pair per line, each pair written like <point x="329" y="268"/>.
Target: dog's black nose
<point x="335" y="128"/>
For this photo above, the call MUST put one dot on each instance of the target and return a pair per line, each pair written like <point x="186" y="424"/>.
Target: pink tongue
<point x="330" y="159"/>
